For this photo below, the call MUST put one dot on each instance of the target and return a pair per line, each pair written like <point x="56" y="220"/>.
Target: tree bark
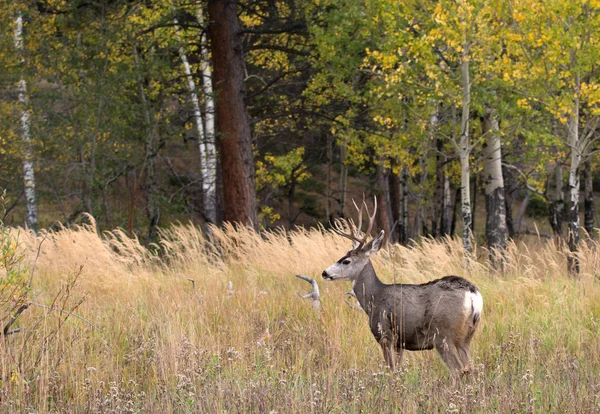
<point x="464" y="152"/>
<point x="403" y="213"/>
<point x="384" y="214"/>
<point x="446" y="223"/>
<point x="495" y="202"/>
<point x="233" y="126"/>
<point x="209" y="179"/>
<point x="395" y="200"/>
<point x="573" y="216"/>
<point x="589" y="203"/>
<point x="343" y="179"/>
<point x="208" y="176"/>
<point x="438" y="195"/>
<point x="556" y="200"/>
<point x="28" y="164"/>
<point x="150" y="152"/>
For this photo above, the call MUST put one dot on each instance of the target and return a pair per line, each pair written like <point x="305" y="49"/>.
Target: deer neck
<point x="366" y="286"/>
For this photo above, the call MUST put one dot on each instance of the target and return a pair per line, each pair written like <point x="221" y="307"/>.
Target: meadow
<point x="218" y="326"/>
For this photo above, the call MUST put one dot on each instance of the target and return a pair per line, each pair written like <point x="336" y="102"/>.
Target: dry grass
<point x="162" y="346"/>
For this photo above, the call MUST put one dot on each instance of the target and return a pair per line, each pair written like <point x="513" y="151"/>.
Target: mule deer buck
<point x="441" y="314"/>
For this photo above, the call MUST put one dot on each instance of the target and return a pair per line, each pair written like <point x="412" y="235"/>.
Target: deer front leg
<point x="391" y="354"/>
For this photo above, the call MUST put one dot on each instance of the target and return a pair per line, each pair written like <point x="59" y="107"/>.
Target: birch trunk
<point x="573" y="217"/>
<point x="589" y="203"/>
<point x="464" y="152"/>
<point x="209" y="178"/>
<point x="28" y="163"/>
<point x="208" y="207"/>
<point x="495" y="203"/>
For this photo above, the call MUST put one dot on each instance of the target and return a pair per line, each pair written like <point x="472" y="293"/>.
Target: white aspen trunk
<point x="208" y="182"/>
<point x="28" y="164"/>
<point x="494" y="187"/>
<point x="464" y="151"/>
<point x="573" y="216"/>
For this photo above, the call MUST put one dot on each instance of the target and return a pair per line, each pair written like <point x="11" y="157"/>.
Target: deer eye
<point x="346" y="262"/>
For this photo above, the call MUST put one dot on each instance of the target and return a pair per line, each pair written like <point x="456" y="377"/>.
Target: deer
<point x="442" y="314"/>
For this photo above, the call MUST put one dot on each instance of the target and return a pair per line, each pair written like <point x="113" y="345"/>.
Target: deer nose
<point x="324" y="274"/>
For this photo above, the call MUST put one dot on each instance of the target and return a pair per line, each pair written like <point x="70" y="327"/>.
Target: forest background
<point x="277" y="113"/>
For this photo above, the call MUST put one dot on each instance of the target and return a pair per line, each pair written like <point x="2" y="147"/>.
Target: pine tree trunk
<point x="28" y="165"/>
<point x="395" y="200"/>
<point x="152" y="205"/>
<point x="589" y="204"/>
<point x="438" y="195"/>
<point x="446" y="223"/>
<point x="384" y="214"/>
<point x="495" y="203"/>
<point x="237" y="161"/>
<point x="343" y="180"/>
<point x="508" y="201"/>
<point x="403" y="213"/>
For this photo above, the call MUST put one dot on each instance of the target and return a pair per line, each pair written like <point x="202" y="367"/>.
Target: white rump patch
<point x="473" y="302"/>
<point x="477" y="303"/>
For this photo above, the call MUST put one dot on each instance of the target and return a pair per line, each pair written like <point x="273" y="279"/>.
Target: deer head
<point x="353" y="262"/>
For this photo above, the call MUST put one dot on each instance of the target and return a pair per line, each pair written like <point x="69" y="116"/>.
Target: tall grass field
<point x="218" y="326"/>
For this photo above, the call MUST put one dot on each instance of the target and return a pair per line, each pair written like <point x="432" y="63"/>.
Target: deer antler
<point x="355" y="232"/>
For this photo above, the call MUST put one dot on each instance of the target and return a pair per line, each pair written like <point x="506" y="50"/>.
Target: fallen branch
<point x="6" y="330"/>
<point x="315" y="295"/>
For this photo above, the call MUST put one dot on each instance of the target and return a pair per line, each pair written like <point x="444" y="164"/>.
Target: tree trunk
<point x="403" y="213"/>
<point x="328" y="189"/>
<point x="152" y="205"/>
<point x="237" y="162"/>
<point x="508" y="201"/>
<point x="438" y="195"/>
<point x="384" y="214"/>
<point x="556" y="200"/>
<point x="589" y="204"/>
<point x="495" y="204"/>
<point x="464" y="152"/>
<point x="446" y="223"/>
<point x="207" y="201"/>
<point x="209" y="178"/>
<point x="343" y="179"/>
<point x="395" y="200"/>
<point x="573" y="217"/>
<point x="454" y="211"/>
<point x="28" y="165"/>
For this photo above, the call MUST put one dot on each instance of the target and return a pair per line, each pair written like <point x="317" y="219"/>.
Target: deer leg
<point x="389" y="354"/>
<point x="465" y="357"/>
<point x="449" y="357"/>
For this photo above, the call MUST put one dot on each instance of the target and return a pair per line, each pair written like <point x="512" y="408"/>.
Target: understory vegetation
<point x="194" y="326"/>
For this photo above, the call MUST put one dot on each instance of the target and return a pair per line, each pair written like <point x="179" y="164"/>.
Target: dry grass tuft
<point x="163" y="346"/>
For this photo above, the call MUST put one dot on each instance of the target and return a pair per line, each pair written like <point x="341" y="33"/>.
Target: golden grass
<point x="162" y="346"/>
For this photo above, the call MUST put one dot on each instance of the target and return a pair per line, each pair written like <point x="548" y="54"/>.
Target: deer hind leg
<point x="464" y="354"/>
<point x="448" y="354"/>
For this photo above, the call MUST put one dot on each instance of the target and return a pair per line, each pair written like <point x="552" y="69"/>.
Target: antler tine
<point x="337" y="228"/>
<point x="360" y="218"/>
<point x="371" y="216"/>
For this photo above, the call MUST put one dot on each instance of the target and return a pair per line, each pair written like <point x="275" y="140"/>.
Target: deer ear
<point x="374" y="245"/>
